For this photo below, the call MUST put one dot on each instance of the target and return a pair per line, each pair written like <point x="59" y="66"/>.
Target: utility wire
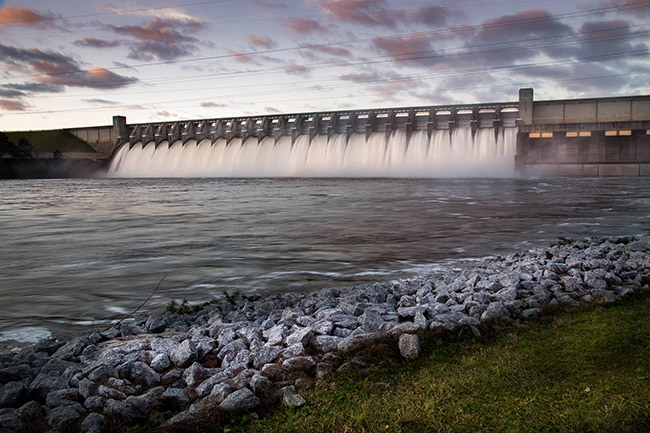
<point x="438" y="73"/>
<point x="420" y="55"/>
<point x="629" y="6"/>
<point x="182" y="5"/>
<point x="590" y="59"/>
<point x="378" y="94"/>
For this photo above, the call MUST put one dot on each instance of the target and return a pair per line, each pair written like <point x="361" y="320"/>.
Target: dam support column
<point x="120" y="131"/>
<point x="525" y="119"/>
<point x="526" y="106"/>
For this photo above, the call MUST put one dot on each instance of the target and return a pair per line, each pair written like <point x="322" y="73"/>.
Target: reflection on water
<point x="87" y="251"/>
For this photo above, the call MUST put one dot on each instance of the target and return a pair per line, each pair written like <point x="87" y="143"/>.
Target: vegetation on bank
<point x="21" y="148"/>
<point x="584" y="371"/>
<point x="51" y="141"/>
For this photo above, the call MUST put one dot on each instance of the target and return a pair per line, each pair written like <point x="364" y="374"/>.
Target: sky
<point x="73" y="63"/>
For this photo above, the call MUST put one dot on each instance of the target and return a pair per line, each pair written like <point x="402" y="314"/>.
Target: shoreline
<point x="245" y="356"/>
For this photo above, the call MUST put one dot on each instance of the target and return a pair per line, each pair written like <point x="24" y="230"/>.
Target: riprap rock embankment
<point x="249" y="354"/>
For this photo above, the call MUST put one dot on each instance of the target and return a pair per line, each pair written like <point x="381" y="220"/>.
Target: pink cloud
<point x="13" y="105"/>
<point x="261" y="41"/>
<point x="241" y="57"/>
<point x="532" y="22"/>
<point x="303" y="26"/>
<point x="401" y="48"/>
<point x="366" y="12"/>
<point x="12" y="16"/>
<point x="158" y="30"/>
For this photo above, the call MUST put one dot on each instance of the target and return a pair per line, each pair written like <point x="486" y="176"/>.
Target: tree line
<point x="22" y="149"/>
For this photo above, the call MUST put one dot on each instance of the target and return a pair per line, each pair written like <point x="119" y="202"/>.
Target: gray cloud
<point x="211" y="104"/>
<point x="96" y="43"/>
<point x="99" y="101"/>
<point x="58" y="69"/>
<point x="295" y="69"/>
<point x="163" y="39"/>
<point x="13" y="105"/>
<point x="267" y="4"/>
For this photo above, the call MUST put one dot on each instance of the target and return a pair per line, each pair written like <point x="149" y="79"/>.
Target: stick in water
<point x="141" y="305"/>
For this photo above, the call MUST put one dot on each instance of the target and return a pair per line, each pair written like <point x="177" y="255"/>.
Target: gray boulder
<point x="184" y="354"/>
<point x="409" y="346"/>
<point x="160" y="362"/>
<point x="94" y="403"/>
<point x="13" y="394"/>
<point x="148" y="401"/>
<point x="43" y="384"/>
<point x="495" y="311"/>
<point x="291" y="398"/>
<point x="242" y="400"/>
<point x="176" y="398"/>
<point x="327" y="343"/>
<point x="94" y="423"/>
<point x="143" y="374"/>
<point x="220" y="392"/>
<point x="62" y="397"/>
<point x="65" y="418"/>
<point x="299" y="363"/>
<point x="17" y="373"/>
<point x="121" y="410"/>
<point x="530" y="313"/>
<point x="301" y="336"/>
<point x="195" y="374"/>
<point x="371" y="320"/>
<point x="265" y="354"/>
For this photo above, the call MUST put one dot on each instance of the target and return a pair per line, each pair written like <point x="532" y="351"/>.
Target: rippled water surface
<point x="79" y="253"/>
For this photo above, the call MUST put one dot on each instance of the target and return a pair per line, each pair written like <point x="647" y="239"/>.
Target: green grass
<point x="49" y="141"/>
<point x="586" y="371"/>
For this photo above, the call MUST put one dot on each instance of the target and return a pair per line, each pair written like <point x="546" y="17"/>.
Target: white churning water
<point x="488" y="152"/>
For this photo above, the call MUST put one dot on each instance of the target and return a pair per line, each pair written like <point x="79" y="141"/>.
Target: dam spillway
<point x="486" y="152"/>
<point x="466" y="141"/>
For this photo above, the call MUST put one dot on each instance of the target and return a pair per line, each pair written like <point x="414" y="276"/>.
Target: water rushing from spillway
<point x="459" y="153"/>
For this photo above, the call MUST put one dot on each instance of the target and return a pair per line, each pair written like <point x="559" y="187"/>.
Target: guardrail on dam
<point x="326" y="123"/>
<point x="579" y="137"/>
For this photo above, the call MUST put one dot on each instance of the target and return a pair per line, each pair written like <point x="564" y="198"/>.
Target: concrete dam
<point x="578" y="137"/>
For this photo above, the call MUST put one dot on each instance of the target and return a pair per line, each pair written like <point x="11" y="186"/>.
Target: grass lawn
<point x="49" y="141"/>
<point x="585" y="371"/>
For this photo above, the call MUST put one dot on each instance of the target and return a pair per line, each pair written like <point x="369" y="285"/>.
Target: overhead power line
<point x="628" y="6"/>
<point x="638" y="53"/>
<point x="471" y="50"/>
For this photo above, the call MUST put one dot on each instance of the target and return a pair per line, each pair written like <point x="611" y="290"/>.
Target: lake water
<point x="81" y="253"/>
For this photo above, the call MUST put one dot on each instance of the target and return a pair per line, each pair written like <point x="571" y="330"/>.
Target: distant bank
<point x="55" y="154"/>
